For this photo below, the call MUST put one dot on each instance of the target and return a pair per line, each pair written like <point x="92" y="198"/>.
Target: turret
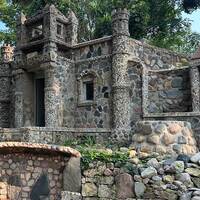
<point x="121" y="85"/>
<point x="6" y="53"/>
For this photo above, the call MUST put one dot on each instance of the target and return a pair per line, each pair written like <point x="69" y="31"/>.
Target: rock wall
<point x="97" y="113"/>
<point x="174" y="137"/>
<point x="143" y="177"/>
<point x="169" y="91"/>
<point x="156" y="58"/>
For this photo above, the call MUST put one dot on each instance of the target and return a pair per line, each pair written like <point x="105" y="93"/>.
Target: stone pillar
<point x="195" y="84"/>
<point x="18" y="98"/>
<point x="49" y="22"/>
<point x="72" y="29"/>
<point x="21" y="30"/>
<point x="121" y="85"/>
<point x="52" y="97"/>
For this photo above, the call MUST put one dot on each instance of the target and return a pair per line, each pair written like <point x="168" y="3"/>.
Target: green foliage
<point x="91" y="152"/>
<point x="90" y="155"/>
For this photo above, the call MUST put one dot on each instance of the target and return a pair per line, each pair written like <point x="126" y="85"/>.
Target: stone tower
<point x="121" y="87"/>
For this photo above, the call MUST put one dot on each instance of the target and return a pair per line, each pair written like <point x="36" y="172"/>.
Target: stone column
<point x="18" y="98"/>
<point x="121" y="85"/>
<point x="21" y="30"/>
<point x="52" y="96"/>
<point x="72" y="29"/>
<point x="195" y="84"/>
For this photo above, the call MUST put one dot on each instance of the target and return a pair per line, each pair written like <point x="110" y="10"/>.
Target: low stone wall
<point x="52" y="135"/>
<point x="33" y="171"/>
<point x="173" y="137"/>
<point x="144" y="176"/>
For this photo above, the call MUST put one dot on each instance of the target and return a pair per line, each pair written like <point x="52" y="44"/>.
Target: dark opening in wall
<point x="89" y="90"/>
<point x="59" y="29"/>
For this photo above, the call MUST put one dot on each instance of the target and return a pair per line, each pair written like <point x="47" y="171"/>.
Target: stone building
<point x="114" y="89"/>
<point x="55" y="88"/>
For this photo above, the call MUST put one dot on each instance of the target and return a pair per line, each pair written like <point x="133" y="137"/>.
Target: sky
<point x="194" y="17"/>
<point x="195" y="20"/>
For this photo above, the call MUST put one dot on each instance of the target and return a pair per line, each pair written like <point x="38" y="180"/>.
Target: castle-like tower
<point x="100" y="88"/>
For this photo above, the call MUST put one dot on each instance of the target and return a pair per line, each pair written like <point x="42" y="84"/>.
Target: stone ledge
<point x="25" y="147"/>
<point x="92" y="42"/>
<point x="171" y="114"/>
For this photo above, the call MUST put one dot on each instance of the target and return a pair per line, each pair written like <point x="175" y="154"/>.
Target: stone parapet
<point x="47" y="135"/>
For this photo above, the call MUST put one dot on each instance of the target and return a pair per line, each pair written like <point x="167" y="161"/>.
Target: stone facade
<point x="113" y="89"/>
<point x="110" y="83"/>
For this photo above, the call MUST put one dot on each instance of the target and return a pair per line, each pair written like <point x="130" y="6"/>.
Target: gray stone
<point x="40" y="188"/>
<point x="149" y="172"/>
<point x="104" y="191"/>
<point x="184" y="178"/>
<point x="186" y="196"/>
<point x="195" y="198"/>
<point x="89" y="190"/>
<point x="139" y="189"/>
<point x="124" y="186"/>
<point x="179" y="166"/>
<point x="177" y="82"/>
<point x="72" y="175"/>
<point x="195" y="158"/>
<point x="153" y="163"/>
<point x="174" y="93"/>
<point x="193" y="172"/>
<point x="196" y="181"/>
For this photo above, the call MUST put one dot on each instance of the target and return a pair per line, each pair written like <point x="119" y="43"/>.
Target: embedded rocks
<point x="174" y="137"/>
<point x="154" y="176"/>
<point x="124" y="186"/>
<point x="149" y="172"/>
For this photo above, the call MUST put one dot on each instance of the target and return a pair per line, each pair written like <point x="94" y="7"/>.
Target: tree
<point x="190" y="5"/>
<point x="159" y="21"/>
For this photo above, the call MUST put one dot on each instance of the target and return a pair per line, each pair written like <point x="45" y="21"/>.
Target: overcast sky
<point x="194" y="17"/>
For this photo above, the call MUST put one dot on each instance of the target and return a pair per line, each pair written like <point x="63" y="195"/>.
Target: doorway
<point x="40" y="107"/>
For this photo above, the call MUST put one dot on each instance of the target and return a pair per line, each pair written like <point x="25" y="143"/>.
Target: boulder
<point x="72" y="176"/>
<point x="124" y="186"/>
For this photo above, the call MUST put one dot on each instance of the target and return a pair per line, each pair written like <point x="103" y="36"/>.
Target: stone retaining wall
<point x="142" y="178"/>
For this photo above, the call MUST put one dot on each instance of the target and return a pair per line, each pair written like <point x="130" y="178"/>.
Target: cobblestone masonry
<point x="125" y="76"/>
<point x="31" y="171"/>
<point x="129" y="81"/>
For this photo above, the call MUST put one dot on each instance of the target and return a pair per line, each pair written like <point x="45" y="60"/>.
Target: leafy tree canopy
<point x="159" y="21"/>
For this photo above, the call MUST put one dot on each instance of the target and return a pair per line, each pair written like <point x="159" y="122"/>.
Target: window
<point x="37" y="31"/>
<point x="89" y="90"/>
<point x="59" y="29"/>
